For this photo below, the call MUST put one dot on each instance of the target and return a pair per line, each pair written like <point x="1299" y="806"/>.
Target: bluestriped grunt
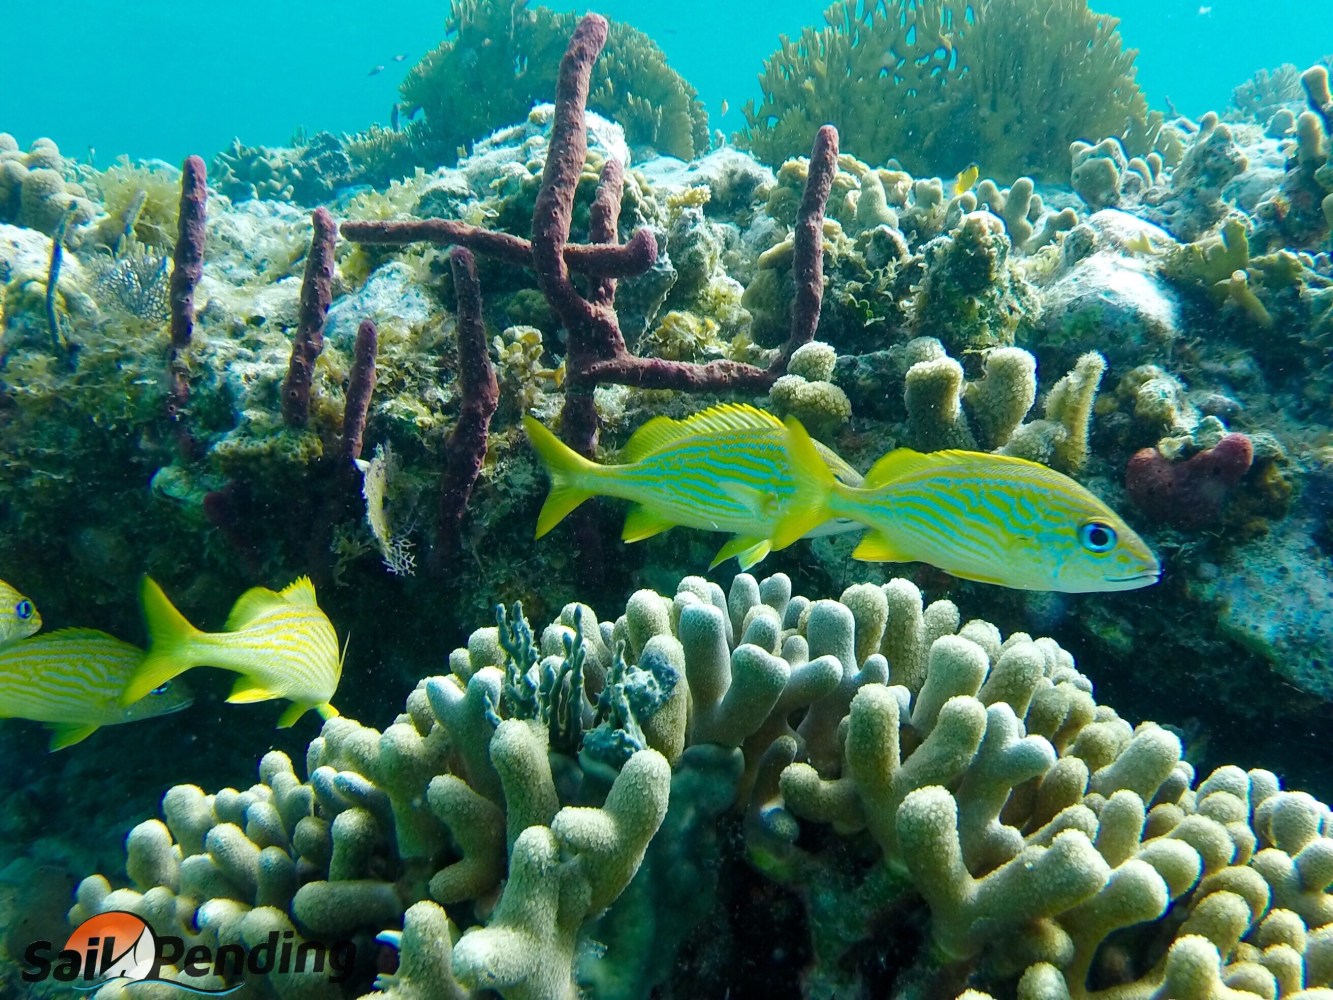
<point x="280" y="642"/>
<point x="991" y="518"/>
<point x="722" y="469"/>
<point x="72" y="679"/>
<point x="18" y="616"/>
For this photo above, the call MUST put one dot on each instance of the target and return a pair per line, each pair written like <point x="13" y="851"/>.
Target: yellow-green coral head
<point x="72" y="680"/>
<point x="18" y="615"/>
<point x="280" y="642"/>
<point x="979" y="516"/>
<point x="722" y="469"/>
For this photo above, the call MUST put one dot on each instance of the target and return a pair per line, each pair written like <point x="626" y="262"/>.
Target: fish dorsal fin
<point x="660" y="432"/>
<point x="899" y="463"/>
<point x="78" y="633"/>
<point x="300" y="591"/>
<point x="904" y="462"/>
<point x="255" y="602"/>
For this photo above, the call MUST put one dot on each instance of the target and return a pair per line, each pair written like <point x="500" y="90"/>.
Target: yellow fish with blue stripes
<point x="280" y="642"/>
<point x="722" y="469"/>
<point x="18" y="617"/>
<point x="984" y="517"/>
<point x="72" y="680"/>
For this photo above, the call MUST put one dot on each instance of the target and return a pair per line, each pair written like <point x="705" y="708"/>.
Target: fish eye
<point x="23" y="609"/>
<point x="161" y="688"/>
<point x="1097" y="536"/>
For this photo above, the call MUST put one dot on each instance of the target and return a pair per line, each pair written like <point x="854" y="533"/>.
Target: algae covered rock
<point x="972" y="295"/>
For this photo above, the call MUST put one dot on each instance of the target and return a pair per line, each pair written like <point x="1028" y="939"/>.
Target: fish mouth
<point x="1152" y="575"/>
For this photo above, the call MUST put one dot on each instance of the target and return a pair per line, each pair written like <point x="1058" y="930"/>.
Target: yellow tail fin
<point x="563" y="464"/>
<point x="168" y="631"/>
<point x="814" y="484"/>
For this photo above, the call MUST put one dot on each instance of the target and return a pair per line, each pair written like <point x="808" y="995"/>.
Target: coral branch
<point x="188" y="266"/>
<point x="597" y="352"/>
<point x="466" y="448"/>
<point x="188" y="257"/>
<point x="610" y="261"/>
<point x="808" y="250"/>
<point x="360" y="386"/>
<point x="59" y="342"/>
<point x="316" y="294"/>
<point x="554" y="211"/>
<point x="603" y="218"/>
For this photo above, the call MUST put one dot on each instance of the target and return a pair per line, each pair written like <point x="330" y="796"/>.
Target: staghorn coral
<point x="517" y="50"/>
<point x="947" y="69"/>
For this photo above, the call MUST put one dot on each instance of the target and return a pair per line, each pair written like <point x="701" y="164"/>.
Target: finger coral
<point x="556" y="796"/>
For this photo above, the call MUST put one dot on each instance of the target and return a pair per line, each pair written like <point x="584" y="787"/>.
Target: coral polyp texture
<point x="876" y="756"/>
<point x="961" y="83"/>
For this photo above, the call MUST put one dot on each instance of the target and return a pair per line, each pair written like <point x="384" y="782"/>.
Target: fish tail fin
<point x="168" y="631"/>
<point x="814" y="484"/>
<point x="566" y="468"/>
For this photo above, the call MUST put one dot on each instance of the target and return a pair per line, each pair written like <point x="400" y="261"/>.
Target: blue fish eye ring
<point x="24" y="610"/>
<point x="1097" y="536"/>
<point x="161" y="688"/>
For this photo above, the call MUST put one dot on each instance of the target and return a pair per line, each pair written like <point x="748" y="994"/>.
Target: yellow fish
<point x="965" y="180"/>
<point x="280" y="642"/>
<point x="991" y="518"/>
<point x="722" y="469"/>
<point x="18" y="617"/>
<point x="73" y="679"/>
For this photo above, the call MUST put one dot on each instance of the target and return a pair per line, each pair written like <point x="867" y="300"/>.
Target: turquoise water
<point x="1081" y="656"/>
<point x="151" y="78"/>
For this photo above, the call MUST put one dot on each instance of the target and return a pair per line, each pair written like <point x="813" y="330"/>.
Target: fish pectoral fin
<point x="747" y="550"/>
<point x="152" y="673"/>
<point x="876" y="547"/>
<point x="293" y="712"/>
<point x="247" y="691"/>
<point x="641" y="523"/>
<point x="66" y="734"/>
<point x="797" y="524"/>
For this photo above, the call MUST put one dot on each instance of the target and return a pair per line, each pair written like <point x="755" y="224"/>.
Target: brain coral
<point x="939" y="83"/>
